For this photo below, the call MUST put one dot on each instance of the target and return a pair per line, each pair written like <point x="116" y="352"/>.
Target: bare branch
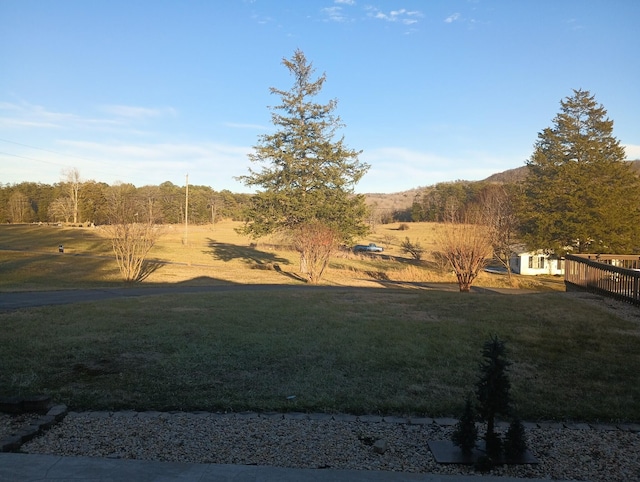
<point x="467" y="248"/>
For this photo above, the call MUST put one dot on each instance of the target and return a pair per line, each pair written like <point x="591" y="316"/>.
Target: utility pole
<point x="186" y="212"/>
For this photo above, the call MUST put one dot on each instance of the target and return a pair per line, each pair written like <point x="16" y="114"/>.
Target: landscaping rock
<point x="11" y="405"/>
<point x="380" y="446"/>
<point x="36" y="404"/>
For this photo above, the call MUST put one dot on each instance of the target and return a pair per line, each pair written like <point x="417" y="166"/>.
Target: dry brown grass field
<point x="217" y="254"/>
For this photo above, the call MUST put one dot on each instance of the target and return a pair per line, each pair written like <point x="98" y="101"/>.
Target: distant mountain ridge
<point x="510" y="175"/>
<point x="519" y="173"/>
<point x="404" y="199"/>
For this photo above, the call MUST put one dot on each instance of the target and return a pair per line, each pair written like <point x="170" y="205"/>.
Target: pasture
<point x="218" y="255"/>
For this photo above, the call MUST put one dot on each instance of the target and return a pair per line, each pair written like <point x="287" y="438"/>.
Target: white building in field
<point x="536" y="262"/>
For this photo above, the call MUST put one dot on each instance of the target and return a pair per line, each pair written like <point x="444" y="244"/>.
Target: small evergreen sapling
<point x="492" y="390"/>
<point x="465" y="434"/>
<point x="515" y="443"/>
<point x="492" y="394"/>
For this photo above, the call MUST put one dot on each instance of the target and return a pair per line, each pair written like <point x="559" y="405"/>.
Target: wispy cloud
<point x="408" y="168"/>
<point x="174" y="152"/>
<point x="206" y="163"/>
<point x="135" y="112"/>
<point x="404" y="16"/>
<point x="335" y="14"/>
<point x="25" y="114"/>
<point x="130" y="158"/>
<point x="261" y="19"/>
<point x="575" y="24"/>
<point x="632" y="151"/>
<point x="452" y="18"/>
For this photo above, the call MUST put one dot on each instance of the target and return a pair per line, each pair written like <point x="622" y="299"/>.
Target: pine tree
<point x="307" y="177"/>
<point x="580" y="194"/>
<point x="492" y="390"/>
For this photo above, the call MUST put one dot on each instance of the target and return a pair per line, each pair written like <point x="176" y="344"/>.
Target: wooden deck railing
<point x="613" y="275"/>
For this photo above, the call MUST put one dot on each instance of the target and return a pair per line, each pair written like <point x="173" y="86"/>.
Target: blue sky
<point x="148" y="91"/>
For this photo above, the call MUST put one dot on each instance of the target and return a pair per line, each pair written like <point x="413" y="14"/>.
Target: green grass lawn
<point x="386" y="351"/>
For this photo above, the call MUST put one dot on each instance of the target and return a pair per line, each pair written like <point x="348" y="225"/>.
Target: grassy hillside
<point x="393" y="201"/>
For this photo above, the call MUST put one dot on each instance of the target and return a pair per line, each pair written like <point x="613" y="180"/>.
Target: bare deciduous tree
<point x="498" y="214"/>
<point x="467" y="248"/>
<point x="131" y="238"/>
<point x="72" y="178"/>
<point x="19" y="207"/>
<point x="61" y="209"/>
<point x="20" y="210"/>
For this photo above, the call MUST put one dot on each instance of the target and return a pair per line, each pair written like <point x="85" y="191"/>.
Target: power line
<point x="30" y="158"/>
<point x="46" y="150"/>
<point x="51" y="152"/>
<point x="58" y="153"/>
<point x="52" y="162"/>
<point x="41" y="149"/>
<point x="61" y="164"/>
<point x="66" y="165"/>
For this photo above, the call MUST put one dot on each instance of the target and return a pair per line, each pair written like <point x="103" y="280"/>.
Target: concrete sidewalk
<point x="15" y="467"/>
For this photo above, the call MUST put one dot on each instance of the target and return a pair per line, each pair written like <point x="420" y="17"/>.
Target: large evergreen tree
<point x="306" y="176"/>
<point x="579" y="194"/>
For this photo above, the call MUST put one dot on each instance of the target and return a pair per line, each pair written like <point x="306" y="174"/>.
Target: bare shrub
<point x="131" y="244"/>
<point x="315" y="241"/>
<point x="440" y="261"/>
<point x="131" y="240"/>
<point x="415" y="249"/>
<point x="467" y="248"/>
<point x="388" y="240"/>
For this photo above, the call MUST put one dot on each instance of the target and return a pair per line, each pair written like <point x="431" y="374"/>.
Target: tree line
<point x="447" y="201"/>
<point x="83" y="202"/>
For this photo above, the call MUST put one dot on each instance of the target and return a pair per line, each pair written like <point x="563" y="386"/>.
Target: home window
<point x="536" y="262"/>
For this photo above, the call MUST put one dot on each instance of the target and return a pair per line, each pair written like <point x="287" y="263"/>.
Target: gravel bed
<point x="10" y="424"/>
<point x="579" y="453"/>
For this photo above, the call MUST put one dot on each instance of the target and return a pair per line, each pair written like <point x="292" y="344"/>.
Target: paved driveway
<point x="29" y="299"/>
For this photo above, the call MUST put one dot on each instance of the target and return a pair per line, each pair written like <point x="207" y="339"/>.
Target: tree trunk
<point x="464" y="282"/>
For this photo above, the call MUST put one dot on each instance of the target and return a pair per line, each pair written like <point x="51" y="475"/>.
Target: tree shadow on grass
<point x="250" y="255"/>
<point x="149" y="266"/>
<point x="253" y="257"/>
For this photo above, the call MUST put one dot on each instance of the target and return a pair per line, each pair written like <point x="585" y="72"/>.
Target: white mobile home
<point x="536" y="262"/>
